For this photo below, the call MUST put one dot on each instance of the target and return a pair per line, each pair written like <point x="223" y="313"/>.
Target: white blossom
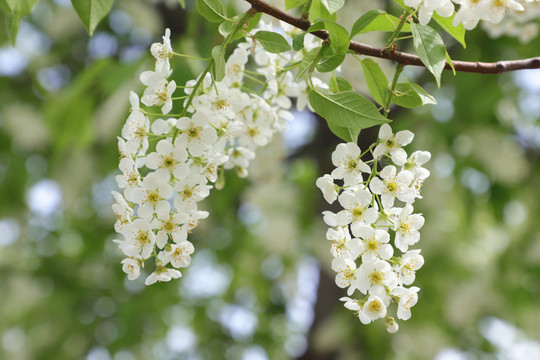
<point x="349" y="166"/>
<point x="132" y="267"/>
<point x="162" y="51"/>
<point x="328" y="188"/>
<point x="162" y="274"/>
<point x="178" y="255"/>
<point x="407" y="299"/>
<point x="392" y="144"/>
<point x="406" y="226"/>
<point x="393" y="186"/>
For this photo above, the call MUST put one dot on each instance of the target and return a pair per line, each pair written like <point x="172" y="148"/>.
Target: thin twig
<point x="398" y="56"/>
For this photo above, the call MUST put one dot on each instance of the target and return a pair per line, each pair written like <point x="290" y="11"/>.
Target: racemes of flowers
<point x="169" y="163"/>
<point x="470" y="12"/>
<point x="371" y="236"/>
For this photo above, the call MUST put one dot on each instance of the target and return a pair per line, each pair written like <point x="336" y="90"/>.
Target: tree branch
<point x="398" y="56"/>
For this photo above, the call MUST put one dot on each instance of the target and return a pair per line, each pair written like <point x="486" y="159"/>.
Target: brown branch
<point x="398" y="56"/>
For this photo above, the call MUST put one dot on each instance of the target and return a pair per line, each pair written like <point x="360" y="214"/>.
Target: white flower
<point x="392" y="186"/>
<point x="159" y="91"/>
<point x="467" y="14"/>
<point x="234" y="68"/>
<point x="357" y="208"/>
<point x="224" y="101"/>
<point x="391" y="325"/>
<point x="209" y="165"/>
<point x="493" y="10"/>
<point x="190" y="191"/>
<point x="151" y="197"/>
<point x="407" y="299"/>
<point x="390" y="144"/>
<point x="351" y="304"/>
<point x="374" y="308"/>
<point x="330" y="218"/>
<point x="171" y="227"/>
<point x="130" y="174"/>
<point x="340" y="237"/>
<point x="122" y="210"/>
<point x="195" y="133"/>
<point x="162" y="52"/>
<point x="168" y="159"/>
<point x="132" y="267"/>
<point x="414" y="165"/>
<point x="348" y="164"/>
<point x="328" y="188"/>
<point x="375" y="241"/>
<point x="345" y="272"/>
<point x="406" y="226"/>
<point x="139" y="239"/>
<point x="372" y="272"/>
<point x="444" y="8"/>
<point x="135" y="130"/>
<point x="179" y="254"/>
<point x="194" y="218"/>
<point x="239" y="158"/>
<point x="162" y="274"/>
<point x="409" y="263"/>
<point x="162" y="127"/>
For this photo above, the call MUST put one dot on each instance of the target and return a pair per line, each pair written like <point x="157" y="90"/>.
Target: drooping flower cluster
<point x="377" y="220"/>
<point x="169" y="164"/>
<point x="470" y="12"/>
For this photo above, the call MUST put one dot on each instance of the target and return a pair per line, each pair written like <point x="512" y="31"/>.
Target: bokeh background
<point x="260" y="285"/>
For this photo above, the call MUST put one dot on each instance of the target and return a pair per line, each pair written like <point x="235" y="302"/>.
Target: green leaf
<point x="212" y="10"/>
<point x="339" y="36"/>
<point x="306" y="63"/>
<point x="405" y="96"/>
<point x="382" y="22"/>
<point x="426" y="98"/>
<point x="339" y="83"/>
<point x="430" y="48"/>
<point x="450" y="62"/>
<point x="4" y="7"/>
<point x="91" y="12"/>
<point x="457" y="32"/>
<point x="333" y="5"/>
<point x="21" y="7"/>
<point x="182" y="3"/>
<point x="15" y="10"/>
<point x="291" y="4"/>
<point x="376" y="80"/>
<point x="316" y="27"/>
<point x="272" y="42"/>
<point x="227" y="26"/>
<point x="347" y="134"/>
<point x="345" y="109"/>
<point x="298" y="41"/>
<point x="411" y="95"/>
<point x="218" y="54"/>
<point x="329" y="63"/>
<point x="365" y="20"/>
<point x="319" y="11"/>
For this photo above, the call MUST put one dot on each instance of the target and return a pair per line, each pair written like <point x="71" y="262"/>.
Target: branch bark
<point x="398" y="56"/>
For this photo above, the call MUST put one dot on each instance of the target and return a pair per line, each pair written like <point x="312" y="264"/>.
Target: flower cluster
<point x="470" y="11"/>
<point x="169" y="164"/>
<point x="376" y="211"/>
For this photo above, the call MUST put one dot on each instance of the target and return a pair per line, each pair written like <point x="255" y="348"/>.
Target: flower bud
<point x="391" y="325"/>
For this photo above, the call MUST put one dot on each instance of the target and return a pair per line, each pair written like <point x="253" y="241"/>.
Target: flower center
<point x="376" y="277"/>
<point x="152" y="197"/>
<point x="391" y="187"/>
<point x="142" y="237"/>
<point x="374" y="306"/>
